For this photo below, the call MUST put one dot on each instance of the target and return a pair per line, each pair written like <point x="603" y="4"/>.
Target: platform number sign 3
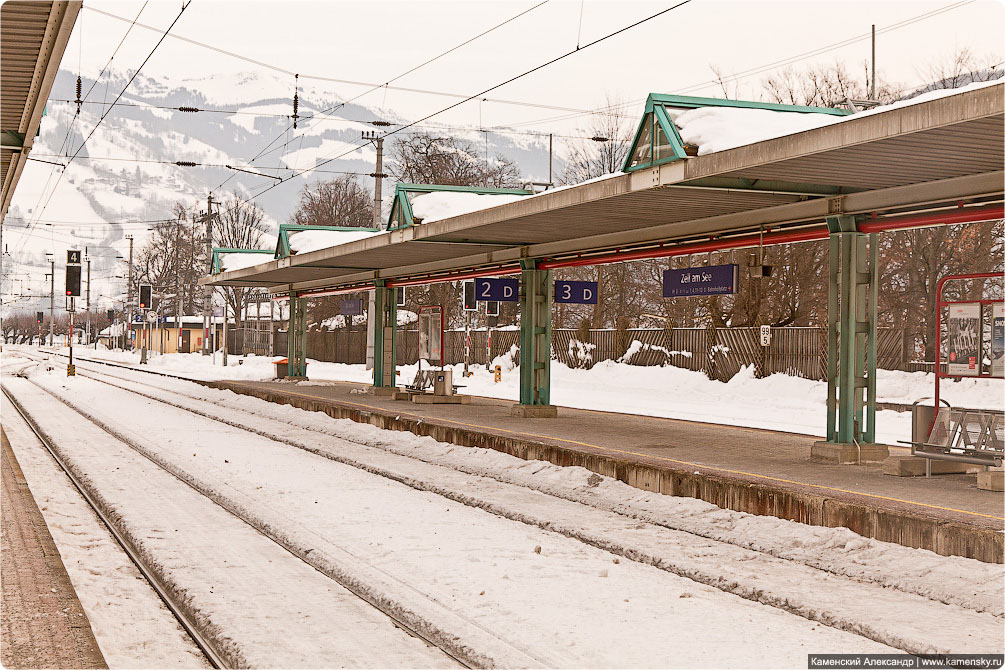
<point x="576" y="292"/>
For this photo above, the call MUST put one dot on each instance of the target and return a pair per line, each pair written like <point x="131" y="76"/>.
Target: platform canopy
<point x="943" y="150"/>
<point x="33" y="37"/>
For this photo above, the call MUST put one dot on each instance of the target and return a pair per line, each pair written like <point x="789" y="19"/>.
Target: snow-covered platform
<point x="44" y="624"/>
<point x="751" y="470"/>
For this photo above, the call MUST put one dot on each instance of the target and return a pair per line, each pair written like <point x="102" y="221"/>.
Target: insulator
<point x="188" y="109"/>
<point x="185" y="163"/>
<point x="380" y="123"/>
<point x="296" y="100"/>
<point x="78" y="101"/>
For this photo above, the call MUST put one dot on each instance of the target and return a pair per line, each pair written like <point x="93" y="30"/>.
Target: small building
<point x="165" y="337"/>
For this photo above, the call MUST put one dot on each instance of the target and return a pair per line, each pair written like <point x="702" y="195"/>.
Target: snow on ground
<point x="259" y="604"/>
<point x="548" y="584"/>
<point x="311" y="240"/>
<point x="445" y="204"/>
<point x="778" y="402"/>
<point x="567" y="604"/>
<point x="132" y="626"/>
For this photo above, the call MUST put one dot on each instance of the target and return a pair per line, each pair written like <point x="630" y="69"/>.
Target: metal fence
<point x="718" y="352"/>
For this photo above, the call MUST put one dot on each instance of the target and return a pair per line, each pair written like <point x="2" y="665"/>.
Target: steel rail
<point x="215" y="659"/>
<point x="398" y="622"/>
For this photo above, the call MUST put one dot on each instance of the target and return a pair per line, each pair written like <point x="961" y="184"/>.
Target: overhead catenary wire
<point x="105" y="114"/>
<point x="386" y="84"/>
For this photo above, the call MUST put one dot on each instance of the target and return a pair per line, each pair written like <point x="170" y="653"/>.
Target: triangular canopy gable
<point x="657" y="139"/>
<point x="283" y="249"/>
<point x="401" y="215"/>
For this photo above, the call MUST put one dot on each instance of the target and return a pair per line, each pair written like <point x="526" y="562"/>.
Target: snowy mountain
<point x="126" y="174"/>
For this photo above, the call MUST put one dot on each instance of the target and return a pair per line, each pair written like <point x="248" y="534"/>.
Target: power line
<point x="487" y="90"/>
<point x="105" y="114"/>
<point x="761" y="68"/>
<point x="386" y="84"/>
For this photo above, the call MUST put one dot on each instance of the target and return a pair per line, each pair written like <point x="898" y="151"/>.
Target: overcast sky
<point x="374" y="41"/>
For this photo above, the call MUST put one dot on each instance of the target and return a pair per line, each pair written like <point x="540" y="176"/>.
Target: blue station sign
<point x="503" y="289"/>
<point x="351" y="307"/>
<point x="576" y="292"/>
<point x="709" y="280"/>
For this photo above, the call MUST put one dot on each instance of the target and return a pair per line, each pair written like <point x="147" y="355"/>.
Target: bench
<point x="966" y="436"/>
<point x="424" y="379"/>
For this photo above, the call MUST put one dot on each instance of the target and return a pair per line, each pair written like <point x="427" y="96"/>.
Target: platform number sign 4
<point x="73" y="256"/>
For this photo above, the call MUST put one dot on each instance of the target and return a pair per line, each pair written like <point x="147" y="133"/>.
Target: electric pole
<point x="378" y="176"/>
<point x="177" y="283"/>
<point x="88" y="298"/>
<point x="207" y="292"/>
<point x="872" y="92"/>
<point x="129" y="289"/>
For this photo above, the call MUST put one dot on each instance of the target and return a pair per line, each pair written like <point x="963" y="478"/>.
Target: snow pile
<point x="406" y="317"/>
<point x="445" y="204"/>
<point x="311" y="240"/>
<point x="508" y="361"/>
<point x="239" y="261"/>
<point x="340" y="321"/>
<point x="637" y="347"/>
<point x="581" y="351"/>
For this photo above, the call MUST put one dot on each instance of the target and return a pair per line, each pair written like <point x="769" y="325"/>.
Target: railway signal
<point x="73" y="273"/>
<point x="110" y="315"/>
<point x="146" y="291"/>
<point x="39" y="316"/>
<point x="470" y="303"/>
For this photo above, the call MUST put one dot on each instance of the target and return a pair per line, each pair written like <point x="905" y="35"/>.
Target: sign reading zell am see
<point x="710" y="280"/>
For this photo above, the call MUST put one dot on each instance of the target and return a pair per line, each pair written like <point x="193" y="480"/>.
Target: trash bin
<point x="282" y="367"/>
<point x="922" y="418"/>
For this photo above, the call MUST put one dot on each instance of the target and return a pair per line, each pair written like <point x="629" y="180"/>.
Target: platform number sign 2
<point x="503" y="290"/>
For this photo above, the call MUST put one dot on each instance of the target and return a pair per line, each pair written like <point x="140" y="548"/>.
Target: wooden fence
<point x="719" y="353"/>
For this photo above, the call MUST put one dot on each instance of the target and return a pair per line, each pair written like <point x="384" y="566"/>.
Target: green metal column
<point x="297" y="337"/>
<point x="535" y="335"/>
<point x="385" y="311"/>
<point x="852" y="316"/>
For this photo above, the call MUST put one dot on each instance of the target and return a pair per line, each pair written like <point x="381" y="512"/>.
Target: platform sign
<point x="501" y="289"/>
<point x="73" y="256"/>
<point x="765" y="336"/>
<point x="964" y="354"/>
<point x="352" y="307"/>
<point x="998" y="340"/>
<point x="576" y="292"/>
<point x="701" y="281"/>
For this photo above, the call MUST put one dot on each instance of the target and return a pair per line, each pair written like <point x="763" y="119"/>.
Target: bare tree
<point x="822" y="86"/>
<point x="961" y="69"/>
<point x="438" y="159"/>
<point x="241" y="225"/>
<point x="336" y="202"/>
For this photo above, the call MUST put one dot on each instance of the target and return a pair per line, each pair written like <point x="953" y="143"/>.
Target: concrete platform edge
<point x="948" y="538"/>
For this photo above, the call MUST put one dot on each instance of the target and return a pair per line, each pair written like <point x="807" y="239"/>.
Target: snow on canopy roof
<point x="237" y="260"/>
<point x="302" y="241"/>
<point x="445" y="204"/>
<point x="424" y="203"/>
<point x="672" y="123"/>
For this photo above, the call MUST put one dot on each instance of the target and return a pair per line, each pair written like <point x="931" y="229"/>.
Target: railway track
<point x="180" y="400"/>
<point x="215" y="658"/>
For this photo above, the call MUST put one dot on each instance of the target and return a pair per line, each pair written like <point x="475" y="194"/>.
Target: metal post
<point x="129" y="285"/>
<point x="207" y="298"/>
<point x="88" y="298"/>
<point x="832" y="337"/>
<point x="872" y="91"/>
<point x="535" y="338"/>
<point x="378" y="182"/>
<point x="870" y="431"/>
<point x="226" y="309"/>
<point x="296" y="336"/>
<point x="52" y="303"/>
<point x="467" y="341"/>
<point x="385" y="325"/>
<point x="70" y="369"/>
